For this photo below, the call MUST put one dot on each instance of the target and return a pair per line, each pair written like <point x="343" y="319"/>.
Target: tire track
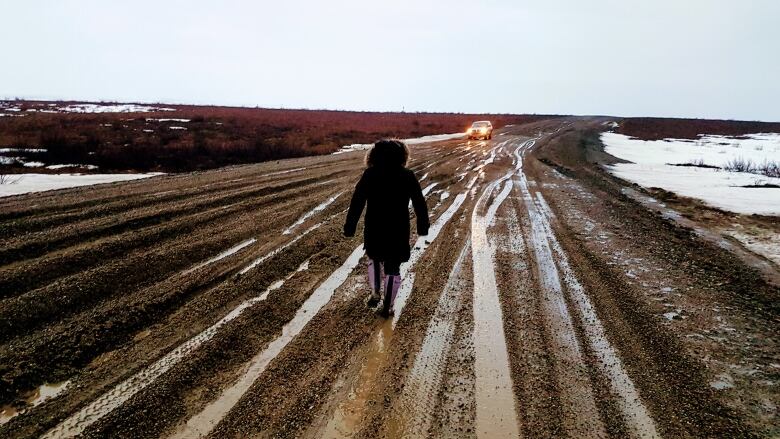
<point x="102" y="282"/>
<point x="202" y="423"/>
<point x="33" y="245"/>
<point x="635" y="414"/>
<point x="109" y="401"/>
<point x="242" y="246"/>
<point x="116" y="397"/>
<point x="415" y="409"/>
<point x="585" y="422"/>
<point x="496" y="410"/>
<point x="581" y="416"/>
<point x="31" y="274"/>
<point x="155" y="301"/>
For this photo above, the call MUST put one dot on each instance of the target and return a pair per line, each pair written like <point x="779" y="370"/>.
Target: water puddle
<point x="278" y="250"/>
<point x="202" y="423"/>
<point x="106" y="403"/>
<point x="496" y="412"/>
<point x="320" y="207"/>
<point x="32" y="399"/>
<point x="284" y="172"/>
<point x="231" y="251"/>
<point x="349" y="412"/>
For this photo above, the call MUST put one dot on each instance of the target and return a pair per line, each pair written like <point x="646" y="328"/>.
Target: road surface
<point x="545" y="302"/>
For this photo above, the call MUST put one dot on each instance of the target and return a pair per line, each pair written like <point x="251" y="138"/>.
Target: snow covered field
<point x="23" y="183"/>
<point x="652" y="165"/>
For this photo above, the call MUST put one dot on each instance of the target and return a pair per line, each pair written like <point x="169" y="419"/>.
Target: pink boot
<point x="375" y="281"/>
<point x="392" y="285"/>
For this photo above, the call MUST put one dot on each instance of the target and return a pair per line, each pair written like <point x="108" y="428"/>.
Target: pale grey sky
<point x="694" y="58"/>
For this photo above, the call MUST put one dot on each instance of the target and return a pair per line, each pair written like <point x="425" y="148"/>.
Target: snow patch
<point x="25" y="183"/>
<point x="27" y="150"/>
<point x="409" y="142"/>
<point x="723" y="189"/>
<point x="672" y="316"/>
<point x="712" y="150"/>
<point x="119" y="108"/>
<point x="71" y="165"/>
<point x="151" y="119"/>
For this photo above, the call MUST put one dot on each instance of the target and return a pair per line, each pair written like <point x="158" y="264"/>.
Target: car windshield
<point x="479" y="124"/>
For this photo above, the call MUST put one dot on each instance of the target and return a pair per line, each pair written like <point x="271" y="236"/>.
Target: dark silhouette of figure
<point x="385" y="188"/>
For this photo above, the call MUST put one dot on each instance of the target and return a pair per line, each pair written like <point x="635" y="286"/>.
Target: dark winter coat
<point x="387" y="191"/>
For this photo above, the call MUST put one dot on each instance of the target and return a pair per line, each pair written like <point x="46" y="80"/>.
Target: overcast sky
<point x="696" y="58"/>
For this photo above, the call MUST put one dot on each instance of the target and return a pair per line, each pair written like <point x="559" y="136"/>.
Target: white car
<point x="482" y="129"/>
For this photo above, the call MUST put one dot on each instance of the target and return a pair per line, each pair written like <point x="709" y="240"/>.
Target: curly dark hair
<point x="388" y="153"/>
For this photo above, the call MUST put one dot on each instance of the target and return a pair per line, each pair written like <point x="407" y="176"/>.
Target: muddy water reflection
<point x="346" y="419"/>
<point x="496" y="412"/>
<point x="32" y="399"/>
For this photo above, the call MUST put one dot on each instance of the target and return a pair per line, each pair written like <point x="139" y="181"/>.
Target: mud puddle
<point x="346" y="418"/>
<point x="32" y="399"/>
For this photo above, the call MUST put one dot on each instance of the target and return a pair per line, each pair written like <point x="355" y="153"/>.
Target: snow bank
<point x="652" y="167"/>
<point x="71" y="165"/>
<point x="24" y="183"/>
<point x="413" y="141"/>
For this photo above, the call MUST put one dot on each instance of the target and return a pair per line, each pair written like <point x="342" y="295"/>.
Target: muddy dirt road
<point x="545" y="302"/>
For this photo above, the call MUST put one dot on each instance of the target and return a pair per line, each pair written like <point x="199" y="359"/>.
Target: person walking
<point x="385" y="189"/>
